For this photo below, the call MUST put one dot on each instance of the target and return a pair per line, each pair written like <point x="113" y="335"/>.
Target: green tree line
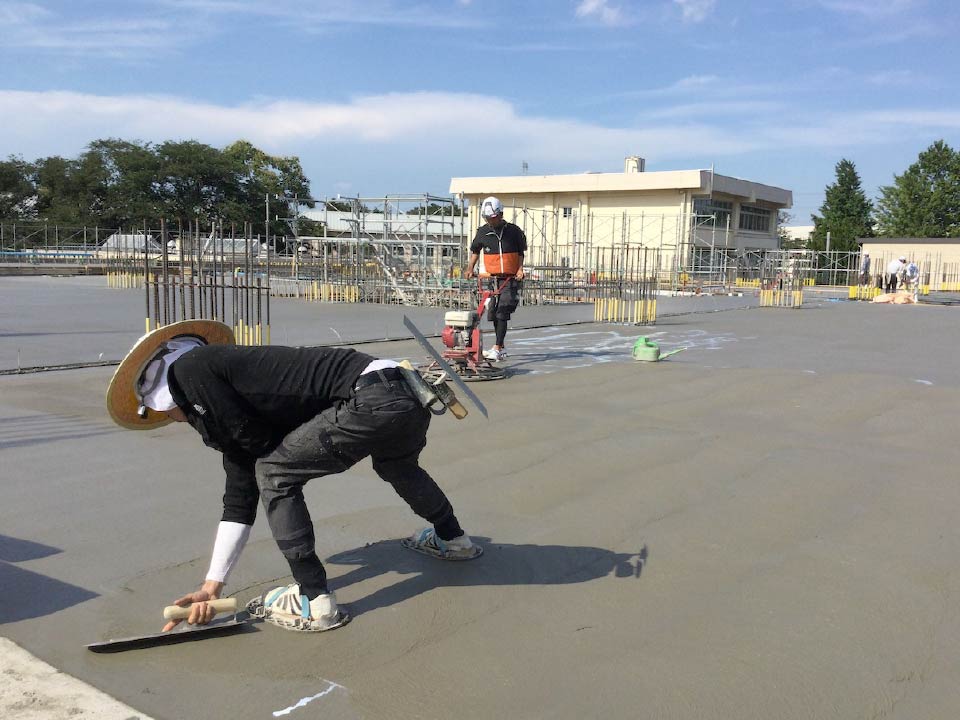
<point x="120" y="183"/>
<point x="922" y="202"/>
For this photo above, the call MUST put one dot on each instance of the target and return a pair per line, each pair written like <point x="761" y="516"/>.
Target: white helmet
<point x="491" y="206"/>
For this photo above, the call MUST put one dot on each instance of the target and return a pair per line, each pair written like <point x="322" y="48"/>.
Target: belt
<point x="385" y="375"/>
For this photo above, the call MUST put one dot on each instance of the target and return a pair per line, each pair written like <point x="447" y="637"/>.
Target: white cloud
<point x="311" y="16"/>
<point x="714" y="109"/>
<point x="887" y="78"/>
<point x="695" y="10"/>
<point x="870" y="8"/>
<point x="160" y="24"/>
<point x="369" y="135"/>
<point x="600" y="10"/>
<point x="32" y="26"/>
<point x="18" y="13"/>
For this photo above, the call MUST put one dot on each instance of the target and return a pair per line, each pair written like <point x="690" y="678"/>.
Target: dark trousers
<point x="383" y="421"/>
<point x="502" y="304"/>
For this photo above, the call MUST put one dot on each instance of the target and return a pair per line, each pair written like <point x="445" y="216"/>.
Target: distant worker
<point x="865" y="269"/>
<point x="499" y="246"/>
<point x="894" y="268"/>
<point x="911" y="279"/>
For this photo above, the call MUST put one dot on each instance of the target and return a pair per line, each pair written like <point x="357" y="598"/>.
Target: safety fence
<point x="619" y="261"/>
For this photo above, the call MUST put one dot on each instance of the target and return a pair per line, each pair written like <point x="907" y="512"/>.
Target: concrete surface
<point x="761" y="526"/>
<point x="63" y="320"/>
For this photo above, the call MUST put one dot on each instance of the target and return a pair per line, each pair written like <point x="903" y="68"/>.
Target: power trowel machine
<point x="463" y="339"/>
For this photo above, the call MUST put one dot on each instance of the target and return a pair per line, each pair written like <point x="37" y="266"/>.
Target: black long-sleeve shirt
<point x="244" y="400"/>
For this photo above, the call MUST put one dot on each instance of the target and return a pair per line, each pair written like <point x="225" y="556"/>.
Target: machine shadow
<point x="28" y="594"/>
<point x="500" y="564"/>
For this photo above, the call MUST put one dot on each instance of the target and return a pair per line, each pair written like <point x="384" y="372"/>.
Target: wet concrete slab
<point x="760" y="526"/>
<point x="70" y="320"/>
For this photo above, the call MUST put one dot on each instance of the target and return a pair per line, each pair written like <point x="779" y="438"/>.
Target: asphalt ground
<point x="761" y="526"/>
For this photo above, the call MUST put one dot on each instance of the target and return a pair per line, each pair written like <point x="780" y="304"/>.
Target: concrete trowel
<point x="188" y="633"/>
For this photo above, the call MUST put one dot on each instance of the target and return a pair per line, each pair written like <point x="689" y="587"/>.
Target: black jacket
<point x="501" y="249"/>
<point x="244" y="400"/>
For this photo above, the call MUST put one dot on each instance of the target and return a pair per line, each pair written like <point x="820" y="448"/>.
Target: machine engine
<point x="459" y="328"/>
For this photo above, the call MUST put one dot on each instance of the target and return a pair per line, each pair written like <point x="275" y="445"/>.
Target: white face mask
<point x="152" y="389"/>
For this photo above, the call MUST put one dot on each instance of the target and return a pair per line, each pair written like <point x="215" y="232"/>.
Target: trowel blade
<point x="445" y="366"/>
<point x="218" y="627"/>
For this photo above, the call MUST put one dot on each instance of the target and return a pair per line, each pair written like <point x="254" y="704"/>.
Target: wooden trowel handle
<point x="175" y="612"/>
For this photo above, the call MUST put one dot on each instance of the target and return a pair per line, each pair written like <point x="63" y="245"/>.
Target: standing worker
<point x="865" y="269"/>
<point x="500" y="247"/>
<point x="911" y="279"/>
<point x="894" y="268"/>
<point x="281" y="416"/>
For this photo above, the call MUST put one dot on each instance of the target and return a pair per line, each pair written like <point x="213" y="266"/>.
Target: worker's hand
<point x="200" y="612"/>
<point x="520" y="274"/>
<point x="469" y="273"/>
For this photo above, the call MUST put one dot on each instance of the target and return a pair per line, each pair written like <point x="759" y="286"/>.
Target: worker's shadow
<point x="27" y="594"/>
<point x="500" y="564"/>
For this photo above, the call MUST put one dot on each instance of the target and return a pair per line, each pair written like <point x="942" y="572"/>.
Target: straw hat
<point x="122" y="400"/>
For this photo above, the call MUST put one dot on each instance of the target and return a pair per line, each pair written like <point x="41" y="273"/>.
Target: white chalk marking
<point x="810" y="372"/>
<point x="305" y="701"/>
<point x="923" y="382"/>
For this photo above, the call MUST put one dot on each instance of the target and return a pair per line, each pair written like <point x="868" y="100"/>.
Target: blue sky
<point x="383" y="96"/>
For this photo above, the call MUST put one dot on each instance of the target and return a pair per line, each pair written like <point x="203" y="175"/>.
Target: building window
<point x="720" y="210"/>
<point x="755" y="219"/>
<point x="430" y="251"/>
<point x="567" y="212"/>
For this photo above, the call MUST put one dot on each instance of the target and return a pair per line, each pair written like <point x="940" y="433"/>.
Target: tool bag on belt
<point x="432" y="392"/>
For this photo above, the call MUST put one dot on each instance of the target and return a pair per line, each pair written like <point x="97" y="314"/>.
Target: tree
<point x="194" y="180"/>
<point x="925" y="200"/>
<point x="17" y="192"/>
<point x="118" y="183"/>
<point x="437" y="209"/>
<point x="846" y="212"/>
<point x="783" y="235"/>
<point x="257" y="175"/>
<point x="130" y="189"/>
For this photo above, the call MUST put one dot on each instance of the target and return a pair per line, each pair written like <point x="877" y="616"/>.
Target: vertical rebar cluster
<point x="624" y="285"/>
<point x="783" y="276"/>
<point x="207" y="275"/>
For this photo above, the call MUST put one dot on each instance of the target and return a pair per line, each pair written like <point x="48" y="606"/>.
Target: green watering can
<point x="648" y="351"/>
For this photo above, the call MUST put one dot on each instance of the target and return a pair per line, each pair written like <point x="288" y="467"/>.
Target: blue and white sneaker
<point x="426" y="541"/>
<point x="287" y="608"/>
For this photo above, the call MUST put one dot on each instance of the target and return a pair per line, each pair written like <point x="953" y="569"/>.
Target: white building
<point x="681" y="212"/>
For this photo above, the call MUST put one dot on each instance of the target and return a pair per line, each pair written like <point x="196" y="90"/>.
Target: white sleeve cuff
<point x="231" y="539"/>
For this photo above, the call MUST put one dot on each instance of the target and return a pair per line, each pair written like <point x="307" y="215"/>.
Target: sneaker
<point x="426" y="541"/>
<point x="495" y="355"/>
<point x="287" y="608"/>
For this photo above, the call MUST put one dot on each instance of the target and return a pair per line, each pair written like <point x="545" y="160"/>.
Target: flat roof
<point x="699" y="181"/>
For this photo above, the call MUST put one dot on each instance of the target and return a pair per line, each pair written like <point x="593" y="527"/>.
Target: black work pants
<point x="382" y="420"/>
